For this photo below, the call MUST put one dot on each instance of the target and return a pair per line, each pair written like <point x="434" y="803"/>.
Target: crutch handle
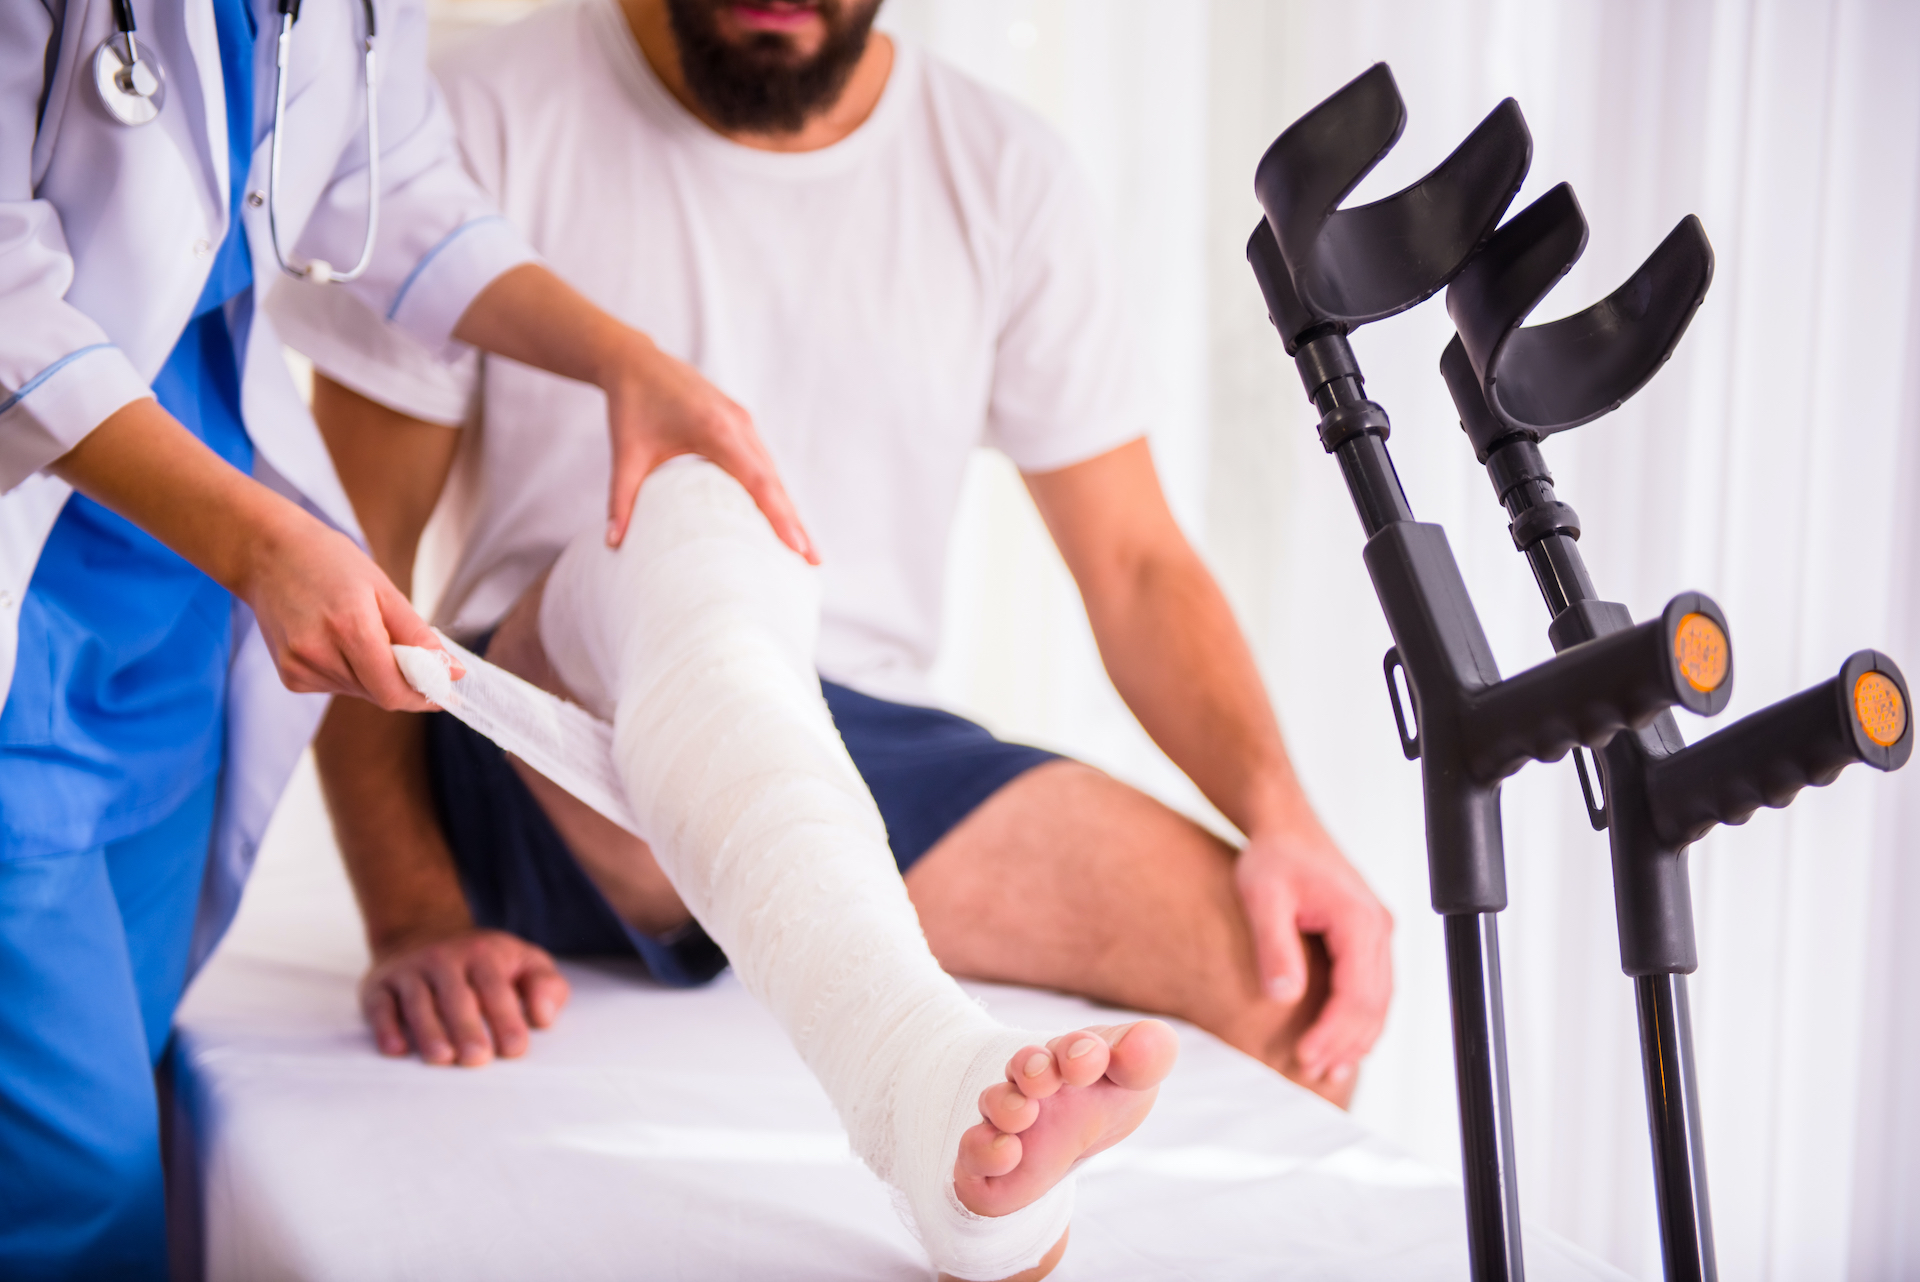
<point x="1767" y="757"/>
<point x="1589" y="692"/>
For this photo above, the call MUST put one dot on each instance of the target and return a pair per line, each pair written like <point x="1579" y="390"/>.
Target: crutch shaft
<point x="1480" y="1077"/>
<point x="1673" y="1120"/>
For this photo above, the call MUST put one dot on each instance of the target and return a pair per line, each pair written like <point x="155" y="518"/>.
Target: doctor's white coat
<point x="107" y="235"/>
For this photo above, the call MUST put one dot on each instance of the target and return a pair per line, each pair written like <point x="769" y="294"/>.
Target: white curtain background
<point x="1774" y="464"/>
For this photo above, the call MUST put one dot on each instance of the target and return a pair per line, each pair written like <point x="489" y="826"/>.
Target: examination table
<point x="659" y="1134"/>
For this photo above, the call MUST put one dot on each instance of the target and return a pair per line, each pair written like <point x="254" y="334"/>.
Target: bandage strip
<point x="561" y="740"/>
<point x="697" y="636"/>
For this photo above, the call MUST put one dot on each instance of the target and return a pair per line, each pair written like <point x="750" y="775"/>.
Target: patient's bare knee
<point x="618" y="862"/>
<point x="515" y="644"/>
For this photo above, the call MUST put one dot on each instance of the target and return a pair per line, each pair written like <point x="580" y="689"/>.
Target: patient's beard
<point x="758" y="85"/>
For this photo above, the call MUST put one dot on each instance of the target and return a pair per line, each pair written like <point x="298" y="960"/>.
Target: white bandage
<point x="697" y="637"/>
<point x="570" y="746"/>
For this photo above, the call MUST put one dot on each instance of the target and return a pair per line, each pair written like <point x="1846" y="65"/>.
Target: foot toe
<point x="986" y="1153"/>
<point x="1033" y="1072"/>
<point x="1141" y="1054"/>
<point x="1006" y="1109"/>
<point x="1080" y="1058"/>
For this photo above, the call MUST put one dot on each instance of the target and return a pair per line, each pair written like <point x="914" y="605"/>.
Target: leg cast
<point x="699" y="634"/>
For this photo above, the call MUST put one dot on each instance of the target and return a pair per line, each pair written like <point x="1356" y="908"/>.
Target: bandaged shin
<point x="696" y="638"/>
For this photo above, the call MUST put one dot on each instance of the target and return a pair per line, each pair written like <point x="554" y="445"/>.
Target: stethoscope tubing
<point x="123" y="23"/>
<point x="136" y="106"/>
<point x="319" y="270"/>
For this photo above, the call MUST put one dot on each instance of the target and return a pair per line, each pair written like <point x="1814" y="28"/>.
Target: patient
<point x="890" y="266"/>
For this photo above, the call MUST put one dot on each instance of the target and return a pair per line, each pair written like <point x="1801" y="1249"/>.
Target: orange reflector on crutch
<point x="1881" y="710"/>
<point x="1700" y="647"/>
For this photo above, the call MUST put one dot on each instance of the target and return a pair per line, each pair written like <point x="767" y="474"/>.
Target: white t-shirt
<point x="935" y="282"/>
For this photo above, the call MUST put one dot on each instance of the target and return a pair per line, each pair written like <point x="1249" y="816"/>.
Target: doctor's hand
<point x="330" y="617"/>
<point x="658" y="407"/>
<point x="328" y="614"/>
<point x="1293" y="880"/>
<point x="463" y="998"/>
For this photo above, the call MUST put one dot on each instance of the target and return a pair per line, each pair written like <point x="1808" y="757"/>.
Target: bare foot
<point x="1084" y="1092"/>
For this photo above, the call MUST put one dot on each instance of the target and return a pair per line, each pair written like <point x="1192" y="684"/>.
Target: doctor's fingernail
<point x="613" y="534"/>
<point x="1036" y="1064"/>
<point x="1340" y="1074"/>
<point x="1285" y="989"/>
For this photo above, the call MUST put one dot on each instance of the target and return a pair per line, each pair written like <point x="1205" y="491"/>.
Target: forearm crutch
<point x="1325" y="271"/>
<point x="1513" y="386"/>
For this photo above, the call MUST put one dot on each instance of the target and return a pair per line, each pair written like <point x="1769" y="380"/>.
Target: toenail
<point x="1037" y="1063"/>
<point x="1081" y="1047"/>
<point x="1341" y="1072"/>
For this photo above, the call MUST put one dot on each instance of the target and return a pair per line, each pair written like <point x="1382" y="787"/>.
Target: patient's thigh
<point x="619" y="863"/>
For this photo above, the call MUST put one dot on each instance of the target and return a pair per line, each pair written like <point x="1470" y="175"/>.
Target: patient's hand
<point x="1293" y="881"/>
<point x="461" y="999"/>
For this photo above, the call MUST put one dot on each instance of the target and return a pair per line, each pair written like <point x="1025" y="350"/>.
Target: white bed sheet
<point x="657" y="1134"/>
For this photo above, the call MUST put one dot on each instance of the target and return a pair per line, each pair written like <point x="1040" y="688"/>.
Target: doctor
<point x="162" y="490"/>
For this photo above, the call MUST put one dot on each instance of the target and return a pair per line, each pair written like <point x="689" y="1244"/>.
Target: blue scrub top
<point x="117" y="711"/>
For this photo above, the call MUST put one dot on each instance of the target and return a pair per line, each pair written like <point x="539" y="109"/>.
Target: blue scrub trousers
<point x="93" y="953"/>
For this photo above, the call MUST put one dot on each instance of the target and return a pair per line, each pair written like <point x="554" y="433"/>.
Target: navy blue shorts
<point x="927" y="770"/>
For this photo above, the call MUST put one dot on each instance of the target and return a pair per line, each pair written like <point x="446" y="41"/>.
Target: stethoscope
<point x="134" y="88"/>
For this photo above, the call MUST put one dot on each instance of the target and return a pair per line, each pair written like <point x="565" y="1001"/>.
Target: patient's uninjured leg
<point x="697" y="637"/>
<point x="1092" y="887"/>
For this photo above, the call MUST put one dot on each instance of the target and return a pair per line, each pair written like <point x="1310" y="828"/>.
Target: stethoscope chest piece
<point x="129" y="79"/>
